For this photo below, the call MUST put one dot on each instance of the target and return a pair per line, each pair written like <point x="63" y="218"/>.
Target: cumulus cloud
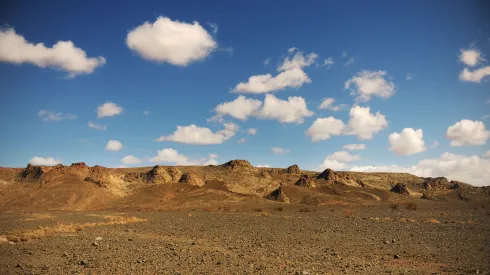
<point x="108" y="109"/>
<point x="55" y="116"/>
<point x="337" y="161"/>
<point x="196" y="135"/>
<point x="63" y="55"/>
<point x="240" y="108"/>
<point x="293" y="110"/>
<point x="470" y="169"/>
<point x="475" y="75"/>
<point x="130" y="160"/>
<point x="44" y="161"/>
<point x="279" y="150"/>
<point x="343" y="156"/>
<point x="324" y="128"/>
<point x="332" y="164"/>
<point x="266" y="83"/>
<point x="471" y="57"/>
<point x="171" y="156"/>
<point x="353" y="147"/>
<point x="364" y="124"/>
<point x="174" y="42"/>
<point x="97" y="126"/>
<point x="297" y="61"/>
<point x="328" y="62"/>
<point x="367" y="84"/>
<point x="113" y="145"/>
<point x="467" y="132"/>
<point x="408" y="142"/>
<point x="252" y="131"/>
<point x="327" y="104"/>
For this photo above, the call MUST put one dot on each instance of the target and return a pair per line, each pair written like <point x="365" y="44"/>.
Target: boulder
<point x="279" y="195"/>
<point x="191" y="179"/>
<point x="293" y="169"/>
<point x="306" y="181"/>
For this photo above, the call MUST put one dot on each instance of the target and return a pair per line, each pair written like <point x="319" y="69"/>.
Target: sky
<point x="347" y="85"/>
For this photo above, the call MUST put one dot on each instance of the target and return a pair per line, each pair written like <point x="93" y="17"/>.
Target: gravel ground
<point x="270" y="239"/>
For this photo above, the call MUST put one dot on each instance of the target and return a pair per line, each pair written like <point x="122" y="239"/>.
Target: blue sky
<point x="180" y="71"/>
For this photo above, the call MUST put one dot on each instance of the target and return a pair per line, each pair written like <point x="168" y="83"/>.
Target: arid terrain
<point x="238" y="219"/>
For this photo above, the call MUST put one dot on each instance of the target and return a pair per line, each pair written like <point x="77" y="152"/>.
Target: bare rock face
<point x="238" y="164"/>
<point x="159" y="174"/>
<point x="99" y="175"/>
<point x="328" y="175"/>
<point x="306" y="181"/>
<point x="293" y="169"/>
<point x="439" y="183"/>
<point x="31" y="172"/>
<point x="279" y="195"/>
<point x="401" y="188"/>
<point x="192" y="179"/>
<point x="331" y="177"/>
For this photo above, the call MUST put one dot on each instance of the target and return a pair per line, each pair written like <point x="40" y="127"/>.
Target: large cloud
<point x="174" y="42"/>
<point x="467" y="132"/>
<point x="324" y="128"/>
<point x="367" y="84"/>
<point x="470" y="57"/>
<point x="196" y="135"/>
<point x="408" y="142"/>
<point x="266" y="83"/>
<point x="294" y="110"/>
<point x="64" y="55"/>
<point x="470" y="169"/>
<point x="108" y="109"/>
<point x="171" y="156"/>
<point x="44" y="161"/>
<point x="55" y="116"/>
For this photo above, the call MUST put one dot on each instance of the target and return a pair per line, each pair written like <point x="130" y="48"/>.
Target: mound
<point x="279" y="195"/>
<point x="293" y="169"/>
<point x="238" y="164"/>
<point x="330" y="177"/>
<point x="159" y="174"/>
<point x="306" y="181"/>
<point x="401" y="188"/>
<point x="191" y="179"/>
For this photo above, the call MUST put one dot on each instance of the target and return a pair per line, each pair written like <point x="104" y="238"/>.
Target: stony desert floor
<point x="252" y="238"/>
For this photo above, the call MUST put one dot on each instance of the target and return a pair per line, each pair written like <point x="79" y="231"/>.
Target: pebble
<point x="396" y="256"/>
<point x="98" y="239"/>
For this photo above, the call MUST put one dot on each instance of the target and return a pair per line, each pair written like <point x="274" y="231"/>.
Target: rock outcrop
<point x="401" y="188"/>
<point x="31" y="172"/>
<point x="159" y="174"/>
<point x="306" y="181"/>
<point x="238" y="165"/>
<point x="293" y="169"/>
<point x="329" y="176"/>
<point x="191" y="179"/>
<point x="436" y="184"/>
<point x="279" y="195"/>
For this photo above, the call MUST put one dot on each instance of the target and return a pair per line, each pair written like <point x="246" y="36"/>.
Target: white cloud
<point x="174" y="42"/>
<point x="332" y="164"/>
<point x="44" y="161"/>
<point x="487" y="154"/>
<point x="240" y="108"/>
<point x="408" y="142"/>
<point x="344" y="54"/>
<point x="298" y="61"/>
<point x="171" y="156"/>
<point x="353" y="147"/>
<point x="266" y="83"/>
<point x="252" y="131"/>
<point x="343" y="156"/>
<point x="349" y="62"/>
<point x="64" y="55"/>
<point x="130" y="160"/>
<point x="471" y="57"/>
<point x="267" y="61"/>
<point x="294" y="110"/>
<point x="470" y="169"/>
<point x="409" y="76"/>
<point x="328" y="62"/>
<point x="53" y="116"/>
<point x="327" y="104"/>
<point x="241" y="141"/>
<point x="364" y="124"/>
<point x="114" y="145"/>
<point x="279" y="150"/>
<point x="263" y="165"/>
<point x="367" y="84"/>
<point x="474" y="76"/>
<point x="196" y="135"/>
<point x="434" y="144"/>
<point x="97" y="126"/>
<point x="467" y="132"/>
<point x="108" y="109"/>
<point x="324" y="128"/>
<point x="214" y="27"/>
<point x="146" y="113"/>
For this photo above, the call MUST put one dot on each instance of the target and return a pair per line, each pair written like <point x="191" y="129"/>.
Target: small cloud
<point x="353" y="147"/>
<point x="214" y="28"/>
<point x="55" y="116"/>
<point x="252" y="131"/>
<point x="409" y="76"/>
<point x="485" y="117"/>
<point x="267" y="61"/>
<point x="97" y="126"/>
<point x="279" y="150"/>
<point x="146" y="113"/>
<point x="241" y="141"/>
<point x="130" y="160"/>
<point x="108" y="109"/>
<point x="434" y="144"/>
<point x="263" y="166"/>
<point x="114" y="145"/>
<point x="349" y="62"/>
<point x="328" y="62"/>
<point x="344" y="54"/>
